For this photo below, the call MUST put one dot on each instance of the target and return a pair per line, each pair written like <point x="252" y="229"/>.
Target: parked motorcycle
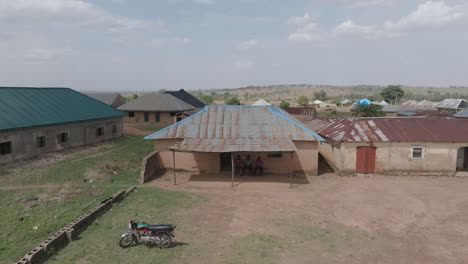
<point x="150" y="235"/>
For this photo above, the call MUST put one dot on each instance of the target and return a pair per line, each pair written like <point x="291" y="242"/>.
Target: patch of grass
<point x="99" y="243"/>
<point x="256" y="248"/>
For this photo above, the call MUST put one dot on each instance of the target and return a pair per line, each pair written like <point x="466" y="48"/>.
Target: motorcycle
<point x="150" y="235"/>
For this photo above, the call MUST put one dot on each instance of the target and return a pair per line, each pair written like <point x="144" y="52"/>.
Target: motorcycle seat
<point x="161" y="227"/>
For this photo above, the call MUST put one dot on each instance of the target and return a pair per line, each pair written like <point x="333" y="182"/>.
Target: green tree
<point x="371" y="110"/>
<point x="392" y="93"/>
<point x="284" y="104"/>
<point x="232" y="101"/>
<point x="303" y="100"/>
<point x="207" y="99"/>
<point x="322" y="95"/>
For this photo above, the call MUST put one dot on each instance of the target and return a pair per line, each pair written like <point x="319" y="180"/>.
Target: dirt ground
<point x="328" y="219"/>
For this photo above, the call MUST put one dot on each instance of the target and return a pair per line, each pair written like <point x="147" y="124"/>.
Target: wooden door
<point x="365" y="160"/>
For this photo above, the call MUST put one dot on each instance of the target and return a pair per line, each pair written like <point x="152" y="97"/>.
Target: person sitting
<point x="247" y="165"/>
<point x="258" y="166"/>
<point x="238" y="163"/>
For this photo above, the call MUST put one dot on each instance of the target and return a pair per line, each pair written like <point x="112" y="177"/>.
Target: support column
<point x="291" y="174"/>
<point x="232" y="169"/>
<point x="174" y="167"/>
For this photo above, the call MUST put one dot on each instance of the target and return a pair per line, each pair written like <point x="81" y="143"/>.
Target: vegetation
<point x="371" y="110"/>
<point x="233" y="100"/>
<point x="207" y="99"/>
<point x="321" y="95"/>
<point x="39" y="199"/>
<point x="284" y="104"/>
<point x="130" y="97"/>
<point x="303" y="100"/>
<point x="392" y="93"/>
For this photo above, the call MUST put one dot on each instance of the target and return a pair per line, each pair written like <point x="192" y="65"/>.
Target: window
<point x="62" y="138"/>
<point x="157" y="117"/>
<point x="131" y="114"/>
<point x="114" y="129"/>
<point x="172" y="114"/>
<point x="146" y="117"/>
<point x="41" y="141"/>
<point x="417" y="152"/>
<point x="275" y="155"/>
<point x="6" y="148"/>
<point x="100" y="131"/>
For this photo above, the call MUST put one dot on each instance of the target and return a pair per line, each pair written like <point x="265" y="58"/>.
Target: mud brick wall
<point x="150" y="167"/>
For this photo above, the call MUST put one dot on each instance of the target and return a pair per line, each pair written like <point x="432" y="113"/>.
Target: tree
<point x="303" y="100"/>
<point x="372" y="110"/>
<point x="392" y="93"/>
<point x="207" y="99"/>
<point x="232" y="101"/>
<point x="322" y="95"/>
<point x="284" y="104"/>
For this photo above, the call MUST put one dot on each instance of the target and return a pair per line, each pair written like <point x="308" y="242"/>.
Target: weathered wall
<point x="80" y="133"/>
<point x="331" y="154"/>
<point x="139" y="118"/>
<point x="150" y="167"/>
<point x="395" y="158"/>
<point x="304" y="160"/>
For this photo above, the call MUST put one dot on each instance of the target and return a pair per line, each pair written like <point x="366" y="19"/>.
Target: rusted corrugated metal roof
<point x="216" y="126"/>
<point x="300" y="110"/>
<point x="397" y="130"/>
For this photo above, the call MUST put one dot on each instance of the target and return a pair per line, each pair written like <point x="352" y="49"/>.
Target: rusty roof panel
<point x="397" y="130"/>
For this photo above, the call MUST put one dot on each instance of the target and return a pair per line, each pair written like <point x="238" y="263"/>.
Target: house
<point x="397" y="146"/>
<point x="452" y="106"/>
<point x="261" y="102"/>
<point x="302" y="113"/>
<point x="34" y="121"/>
<point x="462" y="114"/>
<point x="160" y="109"/>
<point x="113" y="99"/>
<point x="395" y="110"/>
<point x="209" y="140"/>
<point x="187" y="97"/>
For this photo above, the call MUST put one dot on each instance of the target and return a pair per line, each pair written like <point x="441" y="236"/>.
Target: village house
<point x="113" y="99"/>
<point x="160" y="109"/>
<point x="34" y="121"/>
<point x="396" y="146"/>
<point x="187" y="97"/>
<point x="209" y="140"/>
<point x="452" y="106"/>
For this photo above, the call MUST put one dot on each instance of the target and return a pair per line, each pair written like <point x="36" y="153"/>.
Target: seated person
<point x="248" y="164"/>
<point x="258" y="166"/>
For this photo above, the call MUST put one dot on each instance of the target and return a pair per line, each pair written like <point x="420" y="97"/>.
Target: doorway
<point x="365" y="160"/>
<point x="462" y="159"/>
<point x="226" y="163"/>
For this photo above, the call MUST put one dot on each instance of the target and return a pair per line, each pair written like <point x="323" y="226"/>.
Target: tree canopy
<point x="322" y="95"/>
<point x="303" y="100"/>
<point x="207" y="99"/>
<point x="284" y="104"/>
<point x="232" y="101"/>
<point x="372" y="110"/>
<point x="392" y="93"/>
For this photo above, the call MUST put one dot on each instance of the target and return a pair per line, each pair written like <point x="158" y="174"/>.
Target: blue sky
<point x="201" y="44"/>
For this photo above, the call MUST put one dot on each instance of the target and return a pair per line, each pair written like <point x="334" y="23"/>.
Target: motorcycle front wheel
<point x="126" y="240"/>
<point x="166" y="240"/>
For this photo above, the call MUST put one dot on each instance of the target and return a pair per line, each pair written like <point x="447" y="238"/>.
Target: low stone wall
<point x="150" y="167"/>
<point x="70" y="232"/>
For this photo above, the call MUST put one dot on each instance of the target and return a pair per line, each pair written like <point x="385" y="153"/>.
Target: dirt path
<point x="333" y="219"/>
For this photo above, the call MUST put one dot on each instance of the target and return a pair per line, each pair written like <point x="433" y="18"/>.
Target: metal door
<point x="365" y="160"/>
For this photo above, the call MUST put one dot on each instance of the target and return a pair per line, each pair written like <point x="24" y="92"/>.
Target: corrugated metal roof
<point x="462" y="114"/>
<point x="452" y="104"/>
<point x="406" y="108"/>
<point x="107" y="98"/>
<point x="217" y="126"/>
<point x="157" y="102"/>
<point x="187" y="97"/>
<point x="397" y="130"/>
<point x="22" y="107"/>
<point x="300" y="110"/>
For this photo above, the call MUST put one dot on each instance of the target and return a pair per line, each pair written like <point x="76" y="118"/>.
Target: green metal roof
<point x="22" y="107"/>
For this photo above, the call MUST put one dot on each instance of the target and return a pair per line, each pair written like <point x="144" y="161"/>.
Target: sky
<point x="142" y="45"/>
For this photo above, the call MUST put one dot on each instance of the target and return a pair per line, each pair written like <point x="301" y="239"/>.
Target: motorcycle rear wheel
<point x="126" y="241"/>
<point x="167" y="240"/>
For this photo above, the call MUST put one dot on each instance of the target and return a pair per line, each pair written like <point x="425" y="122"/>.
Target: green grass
<point x="99" y="243"/>
<point x="30" y="215"/>
<point x="151" y="128"/>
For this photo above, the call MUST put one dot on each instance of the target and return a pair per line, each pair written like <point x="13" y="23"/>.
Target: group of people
<point x="240" y="166"/>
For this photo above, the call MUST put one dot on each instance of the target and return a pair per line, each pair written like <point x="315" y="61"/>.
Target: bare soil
<point x="327" y="219"/>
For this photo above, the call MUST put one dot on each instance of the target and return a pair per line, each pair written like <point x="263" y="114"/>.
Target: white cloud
<point x="249" y="44"/>
<point x="306" y="33"/>
<point x="431" y="14"/>
<point x="244" y="65"/>
<point x="301" y="20"/>
<point x="348" y="27"/>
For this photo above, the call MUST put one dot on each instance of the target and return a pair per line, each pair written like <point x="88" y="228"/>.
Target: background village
<point x="63" y="151"/>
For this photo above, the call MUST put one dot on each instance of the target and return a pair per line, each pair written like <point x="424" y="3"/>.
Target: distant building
<point x="452" y="105"/>
<point x="113" y="99"/>
<point x="261" y="102"/>
<point x="396" y="146"/>
<point x="187" y="97"/>
<point x="34" y="121"/>
<point x="155" y="109"/>
<point x="210" y="139"/>
<point x="302" y="113"/>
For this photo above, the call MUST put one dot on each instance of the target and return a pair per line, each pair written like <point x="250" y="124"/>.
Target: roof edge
<point x="274" y="110"/>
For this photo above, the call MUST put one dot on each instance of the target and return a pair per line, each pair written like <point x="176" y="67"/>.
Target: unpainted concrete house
<point x="208" y="140"/>
<point x="34" y="121"/>
<point x="396" y="146"/>
<point x="113" y="99"/>
<point x="160" y="109"/>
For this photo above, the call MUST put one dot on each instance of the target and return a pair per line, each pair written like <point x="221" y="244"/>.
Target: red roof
<point x="300" y="110"/>
<point x="397" y="130"/>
